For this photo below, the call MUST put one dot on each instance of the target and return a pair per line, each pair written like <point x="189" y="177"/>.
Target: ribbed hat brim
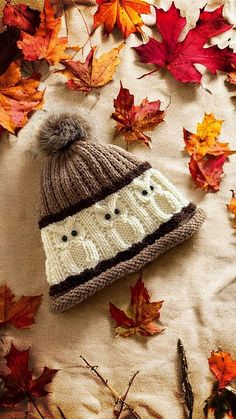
<point x="189" y="225"/>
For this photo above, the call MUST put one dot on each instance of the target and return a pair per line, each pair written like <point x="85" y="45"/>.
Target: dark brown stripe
<point x="75" y="280"/>
<point x="87" y="202"/>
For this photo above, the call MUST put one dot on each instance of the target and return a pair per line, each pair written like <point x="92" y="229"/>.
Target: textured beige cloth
<point x="196" y="279"/>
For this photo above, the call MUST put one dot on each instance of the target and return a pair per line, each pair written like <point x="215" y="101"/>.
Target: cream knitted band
<point x="169" y="240"/>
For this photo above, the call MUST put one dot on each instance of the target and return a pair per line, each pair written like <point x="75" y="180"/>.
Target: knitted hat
<point x="103" y="212"/>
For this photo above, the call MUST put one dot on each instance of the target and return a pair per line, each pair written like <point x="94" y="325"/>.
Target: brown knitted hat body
<point x="103" y="212"/>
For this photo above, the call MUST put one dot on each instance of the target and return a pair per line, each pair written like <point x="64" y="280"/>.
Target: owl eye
<point x="74" y="233"/>
<point x="107" y="216"/>
<point x="152" y="188"/>
<point x="144" y="192"/>
<point x="117" y="211"/>
<point x="64" y="238"/>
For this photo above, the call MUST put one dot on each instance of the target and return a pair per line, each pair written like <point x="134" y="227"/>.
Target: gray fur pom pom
<point x="59" y="131"/>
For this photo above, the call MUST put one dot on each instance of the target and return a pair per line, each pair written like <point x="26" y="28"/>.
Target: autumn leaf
<point x="208" y="155"/>
<point x="222" y="401"/>
<point x="45" y="43"/>
<point x="180" y="57"/>
<point x="123" y="13"/>
<point x="207" y="172"/>
<point x="18" y="97"/>
<point x="232" y="207"/>
<point x="19" y="314"/>
<point x="21" y="17"/>
<point x="94" y="72"/>
<point x="142" y="315"/>
<point x="19" y="384"/>
<point x="223" y="367"/>
<point x="133" y="120"/>
<point x="232" y="75"/>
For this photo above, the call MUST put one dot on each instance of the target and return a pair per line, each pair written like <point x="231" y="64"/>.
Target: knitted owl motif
<point x="150" y="202"/>
<point x="173" y="194"/>
<point x="74" y="250"/>
<point x="120" y="228"/>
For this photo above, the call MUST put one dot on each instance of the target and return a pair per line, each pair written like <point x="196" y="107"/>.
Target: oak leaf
<point x="19" y="384"/>
<point x="94" y="72"/>
<point x="232" y="207"/>
<point x="142" y="314"/>
<point x="21" y="17"/>
<point x="133" y="120"/>
<point x="180" y="57"/>
<point x="19" y="314"/>
<point x="208" y="155"/>
<point x="123" y="13"/>
<point x="18" y="97"/>
<point x="45" y="43"/>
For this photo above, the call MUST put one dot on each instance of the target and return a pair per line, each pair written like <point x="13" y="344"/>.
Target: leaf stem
<point x="85" y="23"/>
<point x="35" y="405"/>
<point x="61" y="413"/>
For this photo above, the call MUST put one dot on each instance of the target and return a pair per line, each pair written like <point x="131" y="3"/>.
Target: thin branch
<point x="186" y="386"/>
<point x="126" y="394"/>
<point x="118" y="398"/>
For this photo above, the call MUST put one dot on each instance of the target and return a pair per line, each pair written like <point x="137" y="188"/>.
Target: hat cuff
<point x="189" y="221"/>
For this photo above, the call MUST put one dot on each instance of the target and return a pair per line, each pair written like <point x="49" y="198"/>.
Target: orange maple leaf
<point x="45" y="43"/>
<point x="18" y="97"/>
<point x="232" y="207"/>
<point x="208" y="155"/>
<point x="19" y="314"/>
<point x="133" y="120"/>
<point x="94" y="72"/>
<point x="123" y="13"/>
<point x="223" y="367"/>
<point x="142" y="314"/>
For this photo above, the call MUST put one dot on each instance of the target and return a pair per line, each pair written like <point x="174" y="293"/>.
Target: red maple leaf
<point x="143" y="314"/>
<point x="19" y="314"/>
<point x="207" y="172"/>
<point x="19" y="384"/>
<point x="180" y="57"/>
<point x="21" y="17"/>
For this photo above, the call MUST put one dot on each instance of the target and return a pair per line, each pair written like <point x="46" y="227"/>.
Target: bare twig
<point x="125" y="395"/>
<point x="118" y="399"/>
<point x="186" y="386"/>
